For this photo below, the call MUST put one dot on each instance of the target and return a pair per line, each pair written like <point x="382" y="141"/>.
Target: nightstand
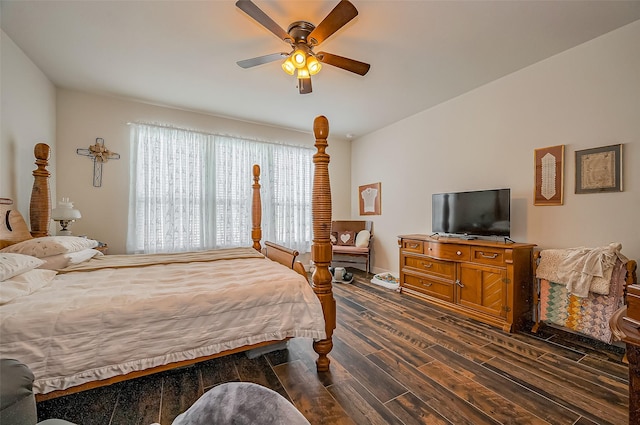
<point x="102" y="247"/>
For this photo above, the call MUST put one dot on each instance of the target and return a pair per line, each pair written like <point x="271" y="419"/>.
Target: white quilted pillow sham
<point x="51" y="245"/>
<point x="15" y="264"/>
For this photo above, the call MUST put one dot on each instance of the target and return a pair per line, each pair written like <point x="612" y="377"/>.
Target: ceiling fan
<point x="303" y="36"/>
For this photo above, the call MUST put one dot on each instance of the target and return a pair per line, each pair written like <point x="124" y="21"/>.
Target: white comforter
<point x="87" y="326"/>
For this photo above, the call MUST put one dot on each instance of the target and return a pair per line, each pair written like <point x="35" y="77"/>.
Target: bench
<point x="359" y="253"/>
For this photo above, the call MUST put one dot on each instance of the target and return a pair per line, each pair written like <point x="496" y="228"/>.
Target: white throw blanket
<point x="581" y="269"/>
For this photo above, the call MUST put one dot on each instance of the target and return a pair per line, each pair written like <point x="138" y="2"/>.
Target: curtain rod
<point x="173" y="127"/>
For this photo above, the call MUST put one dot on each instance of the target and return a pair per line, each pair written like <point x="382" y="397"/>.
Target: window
<point x="191" y="191"/>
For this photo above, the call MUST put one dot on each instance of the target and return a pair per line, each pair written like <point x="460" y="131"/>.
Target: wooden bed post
<point x="40" y="207"/>
<point x="321" y="253"/>
<point x="256" y="210"/>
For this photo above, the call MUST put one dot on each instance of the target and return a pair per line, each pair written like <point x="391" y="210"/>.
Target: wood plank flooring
<point x="396" y="360"/>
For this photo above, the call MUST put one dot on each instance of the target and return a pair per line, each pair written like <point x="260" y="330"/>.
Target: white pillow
<point x="362" y="240"/>
<point x="14" y="264"/>
<point x="24" y="284"/>
<point x="60" y="261"/>
<point x="51" y="245"/>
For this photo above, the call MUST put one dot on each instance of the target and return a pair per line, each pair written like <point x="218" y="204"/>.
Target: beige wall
<point x="83" y="117"/>
<point x="28" y="116"/>
<point x="586" y="97"/>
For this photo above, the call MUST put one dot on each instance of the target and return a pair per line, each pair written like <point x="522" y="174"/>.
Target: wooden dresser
<point x="485" y="280"/>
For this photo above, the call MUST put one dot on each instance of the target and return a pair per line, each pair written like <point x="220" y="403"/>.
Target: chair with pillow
<point x="352" y="241"/>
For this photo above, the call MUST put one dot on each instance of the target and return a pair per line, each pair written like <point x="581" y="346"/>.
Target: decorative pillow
<point x="333" y="238"/>
<point x="362" y="240"/>
<point x="15" y="264"/>
<point x="60" y="261"/>
<point x="24" y="284"/>
<point x="347" y="238"/>
<point x="51" y="245"/>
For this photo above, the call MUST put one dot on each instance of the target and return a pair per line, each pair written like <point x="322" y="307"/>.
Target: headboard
<point x="40" y="207"/>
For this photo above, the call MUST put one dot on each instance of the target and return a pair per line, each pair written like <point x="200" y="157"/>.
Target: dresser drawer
<point x="489" y="256"/>
<point x="448" y="251"/>
<point x="431" y="266"/>
<point x="434" y="288"/>
<point x="410" y="245"/>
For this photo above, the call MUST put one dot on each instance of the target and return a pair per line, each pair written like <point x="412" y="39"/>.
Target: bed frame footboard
<point x="321" y="253"/>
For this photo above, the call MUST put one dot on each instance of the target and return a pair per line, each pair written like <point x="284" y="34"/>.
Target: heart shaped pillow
<point x="347" y="238"/>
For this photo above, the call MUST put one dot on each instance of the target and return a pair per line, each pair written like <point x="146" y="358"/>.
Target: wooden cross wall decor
<point x="99" y="154"/>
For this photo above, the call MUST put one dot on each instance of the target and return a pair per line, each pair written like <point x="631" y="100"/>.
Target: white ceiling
<point x="183" y="53"/>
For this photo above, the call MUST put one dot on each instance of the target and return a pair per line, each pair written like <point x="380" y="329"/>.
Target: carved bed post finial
<point x="40" y="207"/>
<point x="321" y="253"/>
<point x="256" y="210"/>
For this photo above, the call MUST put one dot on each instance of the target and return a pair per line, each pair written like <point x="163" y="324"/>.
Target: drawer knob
<point x="425" y="284"/>
<point x="413" y="245"/>
<point x="426" y="265"/>
<point x="483" y="255"/>
<point x="458" y="252"/>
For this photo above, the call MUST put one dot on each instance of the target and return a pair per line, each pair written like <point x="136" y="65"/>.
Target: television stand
<point x="466" y="237"/>
<point x="489" y="281"/>
<point x="508" y="239"/>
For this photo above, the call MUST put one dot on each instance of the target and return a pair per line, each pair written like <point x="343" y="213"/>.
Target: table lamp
<point x="65" y="214"/>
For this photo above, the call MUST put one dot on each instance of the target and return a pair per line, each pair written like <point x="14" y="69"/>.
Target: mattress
<point x="87" y="326"/>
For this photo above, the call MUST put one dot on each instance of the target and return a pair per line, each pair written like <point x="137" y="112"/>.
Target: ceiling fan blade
<point x="351" y="65"/>
<point x="336" y="19"/>
<point x="304" y="85"/>
<point x="248" y="63"/>
<point x="248" y="7"/>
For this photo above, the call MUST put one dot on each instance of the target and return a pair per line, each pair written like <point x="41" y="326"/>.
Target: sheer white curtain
<point x="192" y="191"/>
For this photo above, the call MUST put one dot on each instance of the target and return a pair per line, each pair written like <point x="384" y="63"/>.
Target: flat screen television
<point x="476" y="213"/>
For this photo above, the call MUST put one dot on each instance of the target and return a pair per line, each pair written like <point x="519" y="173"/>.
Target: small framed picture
<point x="599" y="169"/>
<point x="549" y="175"/>
<point x="369" y="199"/>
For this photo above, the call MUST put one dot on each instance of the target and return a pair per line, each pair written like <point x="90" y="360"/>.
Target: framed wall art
<point x="369" y="199"/>
<point x="549" y="175"/>
<point x="599" y="169"/>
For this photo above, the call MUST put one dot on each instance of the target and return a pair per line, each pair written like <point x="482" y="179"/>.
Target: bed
<point x="568" y="296"/>
<point x="113" y="318"/>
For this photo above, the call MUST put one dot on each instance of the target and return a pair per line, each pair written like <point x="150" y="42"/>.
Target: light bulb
<point x="288" y="66"/>
<point x="313" y="65"/>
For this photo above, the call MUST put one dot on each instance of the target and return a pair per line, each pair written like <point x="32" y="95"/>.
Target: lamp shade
<point x="299" y="58"/>
<point x="313" y="65"/>
<point x="303" y="73"/>
<point x="288" y="66"/>
<point x="65" y="211"/>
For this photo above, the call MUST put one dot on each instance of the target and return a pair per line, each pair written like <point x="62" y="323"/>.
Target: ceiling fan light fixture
<point x="313" y="65"/>
<point x="288" y="66"/>
<point x="302" y="37"/>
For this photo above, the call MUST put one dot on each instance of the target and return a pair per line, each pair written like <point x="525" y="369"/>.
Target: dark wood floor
<point x="395" y="361"/>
